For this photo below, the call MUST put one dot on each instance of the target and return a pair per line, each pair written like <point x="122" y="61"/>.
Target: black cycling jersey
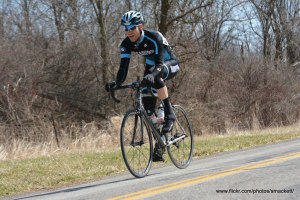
<point x="157" y="52"/>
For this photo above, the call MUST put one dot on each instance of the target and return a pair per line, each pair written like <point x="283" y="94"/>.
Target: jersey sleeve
<point x="124" y="64"/>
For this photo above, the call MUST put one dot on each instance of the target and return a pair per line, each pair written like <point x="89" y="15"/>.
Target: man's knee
<point x="159" y="83"/>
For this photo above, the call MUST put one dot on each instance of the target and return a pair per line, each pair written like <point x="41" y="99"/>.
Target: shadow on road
<point x="72" y="189"/>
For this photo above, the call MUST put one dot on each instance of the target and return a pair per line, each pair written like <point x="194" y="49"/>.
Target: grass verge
<point x="62" y="169"/>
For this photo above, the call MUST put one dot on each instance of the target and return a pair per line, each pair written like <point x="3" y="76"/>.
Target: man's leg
<point x="169" y="120"/>
<point x="163" y="93"/>
<point x="169" y="114"/>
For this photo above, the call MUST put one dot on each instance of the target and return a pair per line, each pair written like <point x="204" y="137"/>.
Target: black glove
<point x="148" y="80"/>
<point x="110" y="86"/>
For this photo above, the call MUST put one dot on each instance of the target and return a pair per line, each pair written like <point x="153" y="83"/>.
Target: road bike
<point x="138" y="132"/>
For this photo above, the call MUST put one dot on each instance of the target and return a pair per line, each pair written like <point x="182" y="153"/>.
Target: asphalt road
<point x="266" y="172"/>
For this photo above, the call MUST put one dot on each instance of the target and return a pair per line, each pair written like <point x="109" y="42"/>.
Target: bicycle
<point x="137" y="130"/>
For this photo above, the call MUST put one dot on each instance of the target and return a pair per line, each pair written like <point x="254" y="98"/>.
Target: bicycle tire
<point x="136" y="154"/>
<point x="181" y="152"/>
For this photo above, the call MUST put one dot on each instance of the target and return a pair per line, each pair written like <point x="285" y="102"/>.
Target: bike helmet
<point x="132" y="18"/>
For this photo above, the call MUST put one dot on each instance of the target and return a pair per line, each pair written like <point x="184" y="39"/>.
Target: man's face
<point x="133" y="33"/>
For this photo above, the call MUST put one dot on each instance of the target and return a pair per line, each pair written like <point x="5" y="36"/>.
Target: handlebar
<point x="134" y="85"/>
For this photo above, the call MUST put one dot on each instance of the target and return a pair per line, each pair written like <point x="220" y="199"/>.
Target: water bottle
<point x="153" y="118"/>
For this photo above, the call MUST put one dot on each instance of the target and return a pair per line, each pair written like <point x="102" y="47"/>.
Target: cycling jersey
<point x="157" y="52"/>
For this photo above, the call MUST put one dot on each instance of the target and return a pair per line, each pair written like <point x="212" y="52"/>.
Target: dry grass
<point x="88" y="137"/>
<point x="91" y="138"/>
<point x="295" y="128"/>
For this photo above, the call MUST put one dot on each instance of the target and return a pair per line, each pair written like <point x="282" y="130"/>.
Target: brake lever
<point x="112" y="92"/>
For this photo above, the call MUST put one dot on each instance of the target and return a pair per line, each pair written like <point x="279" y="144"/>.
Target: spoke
<point x="142" y="153"/>
<point x="132" y="159"/>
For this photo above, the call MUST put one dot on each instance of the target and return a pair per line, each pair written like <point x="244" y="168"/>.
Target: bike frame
<point x="140" y="110"/>
<point x="143" y="114"/>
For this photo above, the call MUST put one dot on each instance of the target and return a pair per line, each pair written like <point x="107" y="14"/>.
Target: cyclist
<point x="161" y="65"/>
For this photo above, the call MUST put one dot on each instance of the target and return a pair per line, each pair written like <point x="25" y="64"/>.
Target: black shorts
<point x="171" y="67"/>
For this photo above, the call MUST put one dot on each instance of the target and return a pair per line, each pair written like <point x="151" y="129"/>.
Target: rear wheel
<point x="181" y="151"/>
<point x="136" y="145"/>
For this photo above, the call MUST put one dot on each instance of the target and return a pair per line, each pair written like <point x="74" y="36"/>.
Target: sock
<point x="168" y="108"/>
<point x="167" y="103"/>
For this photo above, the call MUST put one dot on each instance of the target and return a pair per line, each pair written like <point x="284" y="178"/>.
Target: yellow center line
<point x="198" y="179"/>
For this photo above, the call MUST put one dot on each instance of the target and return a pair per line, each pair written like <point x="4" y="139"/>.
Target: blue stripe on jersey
<point x="150" y="59"/>
<point x="156" y="47"/>
<point x="166" y="55"/>
<point x="150" y="62"/>
<point x="142" y="38"/>
<point x="125" y="55"/>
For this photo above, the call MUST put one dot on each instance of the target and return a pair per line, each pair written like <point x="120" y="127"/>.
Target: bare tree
<point x="174" y="11"/>
<point x="278" y="33"/>
<point x="216" y="27"/>
<point x="278" y="19"/>
<point x="264" y="13"/>
<point x="57" y="8"/>
<point x="26" y="7"/>
<point x="2" y="15"/>
<point x="98" y="6"/>
<point x="289" y="13"/>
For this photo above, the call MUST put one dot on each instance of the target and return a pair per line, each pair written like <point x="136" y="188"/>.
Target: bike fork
<point x="136" y="121"/>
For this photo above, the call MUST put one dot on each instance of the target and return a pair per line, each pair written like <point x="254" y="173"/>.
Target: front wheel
<point x="181" y="151"/>
<point x="136" y="144"/>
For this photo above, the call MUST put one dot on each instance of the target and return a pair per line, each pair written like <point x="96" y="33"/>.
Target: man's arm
<point x="124" y="64"/>
<point x="123" y="70"/>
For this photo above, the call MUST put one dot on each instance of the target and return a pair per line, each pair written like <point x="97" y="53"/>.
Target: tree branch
<point x="190" y="11"/>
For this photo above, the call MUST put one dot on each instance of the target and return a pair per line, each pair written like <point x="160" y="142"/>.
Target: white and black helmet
<point x="132" y="18"/>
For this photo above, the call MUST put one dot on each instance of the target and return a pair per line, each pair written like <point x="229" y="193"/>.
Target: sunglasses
<point x="131" y="29"/>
